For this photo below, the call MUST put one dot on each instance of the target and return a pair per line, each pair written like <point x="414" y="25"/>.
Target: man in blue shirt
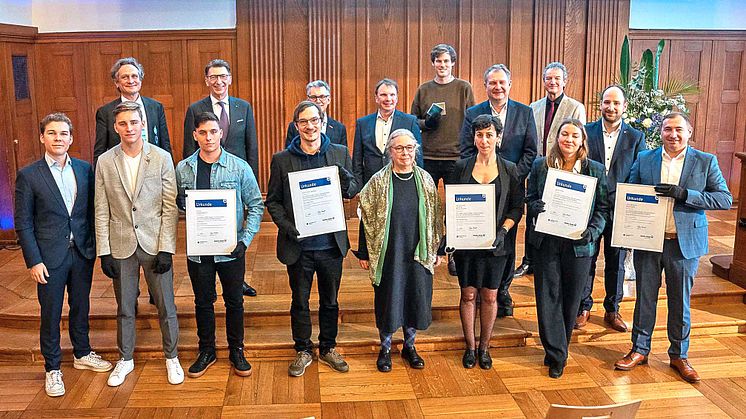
<point x="211" y="167"/>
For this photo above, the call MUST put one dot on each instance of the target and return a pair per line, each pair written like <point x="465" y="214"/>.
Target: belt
<point x="670" y="236"/>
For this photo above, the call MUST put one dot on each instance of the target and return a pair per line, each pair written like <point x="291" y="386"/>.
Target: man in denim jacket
<point x="211" y="167"/>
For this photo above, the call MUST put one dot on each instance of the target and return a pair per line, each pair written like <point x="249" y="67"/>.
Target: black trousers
<point x="528" y="255"/>
<point x="613" y="275"/>
<point x="438" y="169"/>
<point x="75" y="273"/>
<point x="559" y="278"/>
<point x="327" y="265"/>
<point x="231" y="275"/>
<point x="507" y="279"/>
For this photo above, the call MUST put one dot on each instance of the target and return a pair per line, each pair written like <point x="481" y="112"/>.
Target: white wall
<point x="687" y="14"/>
<point x="16" y="12"/>
<point x="128" y="15"/>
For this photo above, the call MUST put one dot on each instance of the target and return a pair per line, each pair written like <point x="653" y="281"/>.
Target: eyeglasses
<point x="223" y="77"/>
<point x="401" y="148"/>
<point x="318" y="97"/>
<point x="305" y="122"/>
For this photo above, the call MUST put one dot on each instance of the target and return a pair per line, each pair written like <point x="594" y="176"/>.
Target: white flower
<point x="647" y="122"/>
<point x="627" y="120"/>
<point x="625" y="116"/>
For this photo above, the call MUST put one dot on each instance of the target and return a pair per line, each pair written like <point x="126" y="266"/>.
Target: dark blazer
<point x="519" y="134"/>
<point x="706" y="190"/>
<point x="510" y="200"/>
<point x="241" y="139"/>
<point x="599" y="213"/>
<point x="367" y="159"/>
<point x="335" y="130"/>
<point x="280" y="204"/>
<point x="107" y="138"/>
<point x="42" y="223"/>
<point x="629" y="144"/>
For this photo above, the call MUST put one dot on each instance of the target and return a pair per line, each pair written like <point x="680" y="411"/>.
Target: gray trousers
<point x="161" y="287"/>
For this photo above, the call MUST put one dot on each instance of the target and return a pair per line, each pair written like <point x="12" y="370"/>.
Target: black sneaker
<point x="384" y="360"/>
<point x="240" y="365"/>
<point x="203" y="362"/>
<point x="414" y="360"/>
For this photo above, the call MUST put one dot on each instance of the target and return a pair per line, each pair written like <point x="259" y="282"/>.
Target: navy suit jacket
<point x="241" y="139"/>
<point x="629" y="144"/>
<point x="519" y="135"/>
<point x="107" y="138"/>
<point x="706" y="190"/>
<point x="367" y="159"/>
<point x="335" y="130"/>
<point x="42" y="223"/>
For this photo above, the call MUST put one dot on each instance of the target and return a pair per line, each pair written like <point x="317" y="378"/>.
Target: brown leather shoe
<point x="582" y="319"/>
<point x="614" y="320"/>
<point x="685" y="370"/>
<point x="631" y="360"/>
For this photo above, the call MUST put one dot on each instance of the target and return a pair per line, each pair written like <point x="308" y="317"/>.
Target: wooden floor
<point x="517" y="386"/>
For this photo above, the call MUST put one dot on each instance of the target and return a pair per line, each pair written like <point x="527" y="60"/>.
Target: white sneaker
<point x="54" y="385"/>
<point x="92" y="361"/>
<point x="175" y="372"/>
<point x="116" y="378"/>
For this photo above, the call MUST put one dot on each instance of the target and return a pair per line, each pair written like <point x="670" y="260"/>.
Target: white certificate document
<point x="639" y="217"/>
<point x="568" y="199"/>
<point x="470" y="216"/>
<point x="317" y="201"/>
<point x="210" y="221"/>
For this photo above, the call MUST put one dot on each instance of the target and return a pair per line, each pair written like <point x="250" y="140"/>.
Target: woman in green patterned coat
<point x="402" y="227"/>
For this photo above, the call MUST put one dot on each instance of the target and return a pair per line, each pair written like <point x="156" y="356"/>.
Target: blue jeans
<point x="679" y="280"/>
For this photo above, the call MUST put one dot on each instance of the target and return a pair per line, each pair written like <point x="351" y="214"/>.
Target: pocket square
<point x="240" y="120"/>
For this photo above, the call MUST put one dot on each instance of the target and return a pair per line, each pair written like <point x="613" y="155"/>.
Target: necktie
<point x="547" y="124"/>
<point x="223" y="122"/>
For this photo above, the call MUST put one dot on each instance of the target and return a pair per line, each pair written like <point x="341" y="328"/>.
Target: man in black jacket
<point x="319" y="92"/>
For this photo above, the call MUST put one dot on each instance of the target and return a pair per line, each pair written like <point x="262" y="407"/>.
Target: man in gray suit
<point x="236" y="120"/>
<point x="136" y="217"/>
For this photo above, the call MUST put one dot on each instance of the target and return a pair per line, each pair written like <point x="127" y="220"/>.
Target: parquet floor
<point x="517" y="386"/>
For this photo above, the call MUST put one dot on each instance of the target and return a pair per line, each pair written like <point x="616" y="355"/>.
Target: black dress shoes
<point x="504" y="304"/>
<point x="484" y="358"/>
<point x="248" y="290"/>
<point x="241" y="366"/>
<point x="414" y="360"/>
<point x="556" y="370"/>
<point x="203" y="362"/>
<point x="469" y="359"/>
<point x="384" y="360"/>
<point x="522" y="270"/>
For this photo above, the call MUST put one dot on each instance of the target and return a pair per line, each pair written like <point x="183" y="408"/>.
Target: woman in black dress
<point x="400" y="234"/>
<point x="480" y="271"/>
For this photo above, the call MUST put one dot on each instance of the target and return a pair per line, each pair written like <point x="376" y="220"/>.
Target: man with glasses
<point x="236" y="121"/>
<point x="318" y="92"/>
<point x="127" y="75"/>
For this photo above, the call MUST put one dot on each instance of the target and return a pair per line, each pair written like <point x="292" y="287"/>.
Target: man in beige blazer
<point x="549" y="112"/>
<point x="136" y="217"/>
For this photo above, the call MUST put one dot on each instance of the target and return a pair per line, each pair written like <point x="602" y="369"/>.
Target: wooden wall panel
<point x="490" y="26"/>
<point x="690" y="60"/>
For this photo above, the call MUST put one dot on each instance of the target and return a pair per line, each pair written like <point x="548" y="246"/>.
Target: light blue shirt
<point x="64" y="177"/>
<point x="229" y="172"/>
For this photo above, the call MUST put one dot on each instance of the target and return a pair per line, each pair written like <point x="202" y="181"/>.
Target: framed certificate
<point x="639" y="217"/>
<point x="317" y="201"/>
<point x="211" y="221"/>
<point x="568" y="199"/>
<point x="470" y="216"/>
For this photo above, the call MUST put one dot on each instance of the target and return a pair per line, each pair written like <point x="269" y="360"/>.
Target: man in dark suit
<point x="517" y="143"/>
<point x="616" y="145"/>
<point x="127" y="74"/>
<point x="54" y="224"/>
<point x="321" y="254"/>
<point x="319" y="92"/>
<point x="694" y="181"/>
<point x="236" y="117"/>
<point x="372" y="131"/>
<point x="236" y="120"/>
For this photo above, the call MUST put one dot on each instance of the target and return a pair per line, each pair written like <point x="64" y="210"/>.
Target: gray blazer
<point x="148" y="218"/>
<point x="568" y="108"/>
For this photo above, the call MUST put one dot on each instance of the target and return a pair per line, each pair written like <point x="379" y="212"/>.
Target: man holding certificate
<point x="693" y="179"/>
<point x="565" y="239"/>
<point x="209" y="171"/>
<point x="321" y="253"/>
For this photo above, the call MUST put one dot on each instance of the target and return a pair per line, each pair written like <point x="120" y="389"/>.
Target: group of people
<point x="126" y="212"/>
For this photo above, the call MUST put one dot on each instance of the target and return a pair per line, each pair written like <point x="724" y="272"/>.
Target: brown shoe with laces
<point x="582" y="319"/>
<point x="614" y="320"/>
<point x="685" y="370"/>
<point x="631" y="360"/>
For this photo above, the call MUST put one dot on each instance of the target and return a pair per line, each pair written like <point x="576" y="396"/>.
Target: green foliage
<point x="624" y="63"/>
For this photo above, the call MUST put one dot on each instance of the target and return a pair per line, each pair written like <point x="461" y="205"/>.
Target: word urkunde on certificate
<point x="470" y="216"/>
<point x="568" y="198"/>
<point x="317" y="201"/>
<point x="639" y="217"/>
<point x="210" y="221"/>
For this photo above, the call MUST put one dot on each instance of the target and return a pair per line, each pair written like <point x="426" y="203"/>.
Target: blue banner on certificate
<point x="639" y="217"/>
<point x="470" y="216"/>
<point x="317" y="201"/>
<point x="568" y="199"/>
<point x="211" y="221"/>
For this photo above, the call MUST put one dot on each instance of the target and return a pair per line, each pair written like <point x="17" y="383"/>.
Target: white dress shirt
<point x="671" y="168"/>
<point x="610" y="140"/>
<point x="217" y="109"/>
<point x="383" y="129"/>
<point x="502" y="116"/>
<point x="144" y="116"/>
